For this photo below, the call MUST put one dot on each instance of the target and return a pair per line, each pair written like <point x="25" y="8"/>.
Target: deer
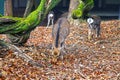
<point x="60" y="31"/>
<point x="50" y="18"/>
<point x="93" y="26"/>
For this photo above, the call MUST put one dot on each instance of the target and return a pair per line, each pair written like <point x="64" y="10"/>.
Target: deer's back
<point x="62" y="25"/>
<point x="97" y="19"/>
<point x="60" y="30"/>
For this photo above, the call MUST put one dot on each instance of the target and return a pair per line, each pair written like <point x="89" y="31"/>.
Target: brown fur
<point x="60" y="31"/>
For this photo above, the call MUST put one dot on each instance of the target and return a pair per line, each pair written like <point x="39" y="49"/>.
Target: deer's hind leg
<point x="98" y="31"/>
<point x="90" y="33"/>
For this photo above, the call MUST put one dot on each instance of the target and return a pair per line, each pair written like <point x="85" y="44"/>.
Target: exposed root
<point x="19" y="53"/>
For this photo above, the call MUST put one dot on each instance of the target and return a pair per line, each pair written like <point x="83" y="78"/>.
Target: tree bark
<point x="31" y="5"/>
<point x="8" y="8"/>
<point x="79" y="9"/>
<point x="73" y="6"/>
<point x="28" y="7"/>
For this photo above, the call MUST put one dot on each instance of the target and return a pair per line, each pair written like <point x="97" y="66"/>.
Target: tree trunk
<point x="73" y="6"/>
<point x="79" y="9"/>
<point x="31" y="5"/>
<point x="28" y="7"/>
<point x="8" y="8"/>
<point x="19" y="28"/>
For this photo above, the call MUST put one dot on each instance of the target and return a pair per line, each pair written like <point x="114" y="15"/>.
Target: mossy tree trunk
<point x="73" y="6"/>
<point x="31" y="4"/>
<point x="28" y="7"/>
<point x="19" y="29"/>
<point x="78" y="10"/>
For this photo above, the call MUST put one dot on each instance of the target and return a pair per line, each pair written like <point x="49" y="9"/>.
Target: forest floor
<point x="96" y="59"/>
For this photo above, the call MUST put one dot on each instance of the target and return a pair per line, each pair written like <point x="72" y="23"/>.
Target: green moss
<point x="83" y="8"/>
<point x="76" y="14"/>
<point x="19" y="30"/>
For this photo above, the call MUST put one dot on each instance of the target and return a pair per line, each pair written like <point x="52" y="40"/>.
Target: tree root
<point x="20" y="53"/>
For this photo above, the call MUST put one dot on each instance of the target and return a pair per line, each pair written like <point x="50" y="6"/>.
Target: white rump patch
<point x="51" y="15"/>
<point x="90" y="20"/>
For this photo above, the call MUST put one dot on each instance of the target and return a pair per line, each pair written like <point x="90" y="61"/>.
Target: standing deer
<point x="60" y="31"/>
<point x="50" y="18"/>
<point x="93" y="26"/>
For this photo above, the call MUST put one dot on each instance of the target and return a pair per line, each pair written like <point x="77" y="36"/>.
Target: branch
<point x="20" y="53"/>
<point x="28" y="7"/>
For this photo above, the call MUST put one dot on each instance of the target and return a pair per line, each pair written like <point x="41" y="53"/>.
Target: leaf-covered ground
<point x="97" y="59"/>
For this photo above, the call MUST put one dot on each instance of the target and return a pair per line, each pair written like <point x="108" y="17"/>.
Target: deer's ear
<point x="90" y="20"/>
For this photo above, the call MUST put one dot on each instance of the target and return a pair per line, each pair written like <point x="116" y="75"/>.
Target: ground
<point x="96" y="59"/>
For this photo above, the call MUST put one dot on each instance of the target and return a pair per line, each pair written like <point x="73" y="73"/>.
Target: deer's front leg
<point x="48" y="22"/>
